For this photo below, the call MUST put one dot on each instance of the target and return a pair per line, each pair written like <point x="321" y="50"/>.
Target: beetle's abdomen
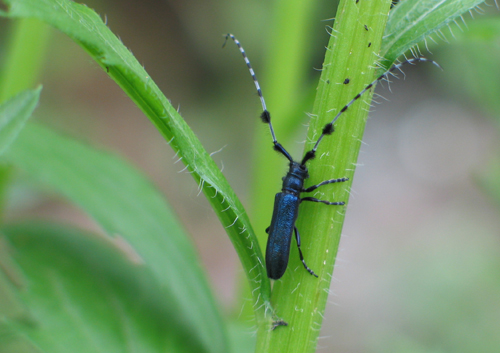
<point x="286" y="207"/>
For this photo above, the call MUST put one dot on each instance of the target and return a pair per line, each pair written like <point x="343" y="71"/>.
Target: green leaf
<point x="86" y="292"/>
<point x="13" y="115"/>
<point x="413" y="21"/>
<point x="131" y="210"/>
<point x="13" y="342"/>
<point x="86" y="28"/>
<point x="478" y="50"/>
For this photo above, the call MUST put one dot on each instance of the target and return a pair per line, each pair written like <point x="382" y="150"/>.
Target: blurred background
<point x="418" y="268"/>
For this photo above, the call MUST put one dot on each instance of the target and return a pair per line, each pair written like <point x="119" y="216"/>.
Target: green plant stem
<point x="299" y="298"/>
<point x="24" y="56"/>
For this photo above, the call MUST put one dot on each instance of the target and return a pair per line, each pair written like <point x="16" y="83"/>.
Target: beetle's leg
<point x="297" y="237"/>
<point x="313" y="199"/>
<point x="331" y="181"/>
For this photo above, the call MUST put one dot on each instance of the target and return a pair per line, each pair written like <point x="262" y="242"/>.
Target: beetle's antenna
<point x="265" y="116"/>
<point x="328" y="128"/>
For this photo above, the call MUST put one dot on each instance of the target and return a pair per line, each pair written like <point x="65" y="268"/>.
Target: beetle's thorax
<point x="293" y="181"/>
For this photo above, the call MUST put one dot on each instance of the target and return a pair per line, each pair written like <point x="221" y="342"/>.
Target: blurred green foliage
<point x="136" y="285"/>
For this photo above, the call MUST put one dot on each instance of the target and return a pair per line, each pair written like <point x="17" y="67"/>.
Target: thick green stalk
<point x="24" y="56"/>
<point x="298" y="298"/>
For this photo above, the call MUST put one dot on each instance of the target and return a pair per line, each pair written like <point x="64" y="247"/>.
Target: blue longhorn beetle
<point x="287" y="202"/>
